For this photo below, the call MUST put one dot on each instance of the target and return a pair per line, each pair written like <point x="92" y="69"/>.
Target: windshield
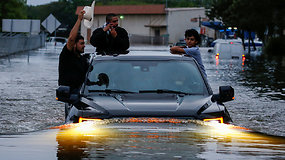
<point x="141" y="76"/>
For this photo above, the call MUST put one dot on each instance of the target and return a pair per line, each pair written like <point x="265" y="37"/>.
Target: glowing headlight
<point x="88" y="119"/>
<point x="218" y="120"/>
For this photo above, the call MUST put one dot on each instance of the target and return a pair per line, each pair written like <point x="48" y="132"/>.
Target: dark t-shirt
<point x="72" y="69"/>
<point x="104" y="42"/>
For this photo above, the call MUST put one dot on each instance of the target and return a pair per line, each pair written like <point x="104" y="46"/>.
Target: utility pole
<point x="199" y="21"/>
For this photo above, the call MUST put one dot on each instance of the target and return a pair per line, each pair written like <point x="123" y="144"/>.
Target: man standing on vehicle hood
<point x="72" y="65"/>
<point x="110" y="38"/>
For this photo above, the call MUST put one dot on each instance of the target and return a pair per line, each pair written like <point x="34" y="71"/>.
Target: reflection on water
<point x="259" y="86"/>
<point x="267" y="77"/>
<point x="165" y="141"/>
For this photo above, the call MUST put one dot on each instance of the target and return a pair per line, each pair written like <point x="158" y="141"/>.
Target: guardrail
<point x="11" y="43"/>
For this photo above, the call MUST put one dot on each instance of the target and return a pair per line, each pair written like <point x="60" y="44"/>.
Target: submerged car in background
<point x="181" y="42"/>
<point x="228" y="50"/>
<point x="225" y="41"/>
<point x="143" y="85"/>
<point x="56" y="41"/>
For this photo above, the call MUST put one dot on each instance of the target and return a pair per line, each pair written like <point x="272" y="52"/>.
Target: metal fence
<point x="11" y="43"/>
<point x="151" y="40"/>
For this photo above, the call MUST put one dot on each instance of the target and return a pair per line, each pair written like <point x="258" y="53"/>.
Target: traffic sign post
<point x="51" y="24"/>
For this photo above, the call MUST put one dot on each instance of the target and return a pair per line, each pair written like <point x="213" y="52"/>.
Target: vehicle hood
<point x="150" y="104"/>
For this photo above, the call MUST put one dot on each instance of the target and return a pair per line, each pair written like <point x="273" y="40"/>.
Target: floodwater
<point x="28" y="109"/>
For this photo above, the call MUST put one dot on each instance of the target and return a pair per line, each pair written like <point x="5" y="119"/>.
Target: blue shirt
<point x="195" y="53"/>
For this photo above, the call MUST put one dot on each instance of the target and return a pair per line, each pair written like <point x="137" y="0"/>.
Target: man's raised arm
<point x="74" y="31"/>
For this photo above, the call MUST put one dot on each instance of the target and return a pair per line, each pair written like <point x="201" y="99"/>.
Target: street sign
<point x="51" y="23"/>
<point x="21" y="25"/>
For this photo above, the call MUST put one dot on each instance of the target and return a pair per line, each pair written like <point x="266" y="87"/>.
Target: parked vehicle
<point x="181" y="42"/>
<point x="145" y="85"/>
<point x="225" y="41"/>
<point x="228" y="50"/>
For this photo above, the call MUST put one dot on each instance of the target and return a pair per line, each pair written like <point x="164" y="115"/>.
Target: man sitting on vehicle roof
<point x="72" y="65"/>
<point x="110" y="39"/>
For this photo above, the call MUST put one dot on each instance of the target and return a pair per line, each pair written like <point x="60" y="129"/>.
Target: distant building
<point x="149" y="24"/>
<point x="141" y="21"/>
<point x="180" y="19"/>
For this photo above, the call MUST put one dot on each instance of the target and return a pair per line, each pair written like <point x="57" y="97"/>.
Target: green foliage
<point x="260" y="16"/>
<point x="169" y="3"/>
<point x="12" y="9"/>
<point x="121" y="2"/>
<point x="276" y="46"/>
<point x="64" y="10"/>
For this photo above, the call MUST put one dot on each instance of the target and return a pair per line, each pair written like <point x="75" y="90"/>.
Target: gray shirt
<point x="195" y="53"/>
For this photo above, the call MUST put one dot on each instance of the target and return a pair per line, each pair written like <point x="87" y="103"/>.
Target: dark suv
<point x="144" y="85"/>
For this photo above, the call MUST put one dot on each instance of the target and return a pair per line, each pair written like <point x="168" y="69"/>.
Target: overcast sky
<point x="39" y="2"/>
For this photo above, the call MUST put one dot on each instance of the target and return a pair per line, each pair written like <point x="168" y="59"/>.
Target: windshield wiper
<point x="112" y="91"/>
<point x="163" y="91"/>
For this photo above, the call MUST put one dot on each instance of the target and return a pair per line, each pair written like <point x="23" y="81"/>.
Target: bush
<point x="275" y="46"/>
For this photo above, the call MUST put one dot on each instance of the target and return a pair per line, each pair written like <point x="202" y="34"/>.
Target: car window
<point x="137" y="76"/>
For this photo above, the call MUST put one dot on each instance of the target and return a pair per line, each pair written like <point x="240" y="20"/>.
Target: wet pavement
<point x="28" y="108"/>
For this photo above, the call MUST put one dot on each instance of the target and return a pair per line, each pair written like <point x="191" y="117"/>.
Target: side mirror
<point x="103" y="79"/>
<point x="226" y="93"/>
<point x="64" y="94"/>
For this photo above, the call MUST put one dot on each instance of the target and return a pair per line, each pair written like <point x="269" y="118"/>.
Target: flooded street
<point x="28" y="109"/>
<point x="27" y="87"/>
<point x="259" y="92"/>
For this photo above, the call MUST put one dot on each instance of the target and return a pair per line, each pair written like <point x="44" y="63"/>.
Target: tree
<point x="12" y="9"/>
<point x="63" y="10"/>
<point x="266" y="18"/>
